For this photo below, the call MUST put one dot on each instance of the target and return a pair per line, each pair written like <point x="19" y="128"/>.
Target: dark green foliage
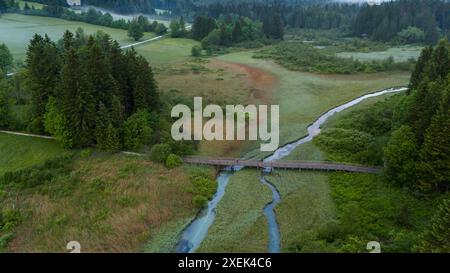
<point x="199" y="200"/>
<point x="434" y="166"/>
<point x="418" y="72"/>
<point x="36" y="176"/>
<point x="137" y="131"/>
<point x="98" y="88"/>
<point x="177" y="28"/>
<point x="305" y="57"/>
<point x="173" y="161"/>
<point x="160" y="152"/>
<point x="436" y="239"/>
<point x="385" y="21"/>
<point x="400" y="156"/>
<point x="135" y="30"/>
<point x="273" y="26"/>
<point x="421" y="155"/>
<point x="5" y="106"/>
<point x="225" y="33"/>
<point x="56" y="124"/>
<point x="202" y="27"/>
<point x="348" y="145"/>
<point x="6" y="59"/>
<point x="44" y="65"/>
<point x="196" y="51"/>
<point x="106" y="134"/>
<point x="203" y="188"/>
<point x="370" y="210"/>
<point x="9" y="218"/>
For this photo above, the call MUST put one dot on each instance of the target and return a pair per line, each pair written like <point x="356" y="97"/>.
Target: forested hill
<point x="383" y="22"/>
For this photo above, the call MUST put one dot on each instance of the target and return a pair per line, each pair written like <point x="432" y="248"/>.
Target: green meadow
<point x="167" y="50"/>
<point x="16" y="30"/>
<point x="19" y="152"/>
<point x="303" y="97"/>
<point x="400" y="54"/>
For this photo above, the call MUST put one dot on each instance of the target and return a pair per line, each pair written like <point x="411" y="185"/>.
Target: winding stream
<point x="197" y="230"/>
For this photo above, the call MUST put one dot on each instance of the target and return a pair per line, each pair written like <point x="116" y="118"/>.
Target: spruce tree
<point x="435" y="154"/>
<point x="98" y="71"/>
<point x="419" y="69"/>
<point x="43" y="65"/>
<point x="237" y="32"/>
<point x="437" y="238"/>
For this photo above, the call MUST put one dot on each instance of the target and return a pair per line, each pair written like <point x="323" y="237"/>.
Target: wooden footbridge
<point x="297" y="165"/>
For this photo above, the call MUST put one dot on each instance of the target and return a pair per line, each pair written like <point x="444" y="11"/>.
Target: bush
<point x="160" y="152"/>
<point x="173" y="161"/>
<point x="5" y="239"/>
<point x="199" y="200"/>
<point x="196" y="51"/>
<point x="137" y="131"/>
<point x="10" y="218"/>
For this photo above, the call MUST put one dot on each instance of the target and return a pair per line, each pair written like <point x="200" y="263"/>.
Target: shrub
<point x="5" y="239"/>
<point x="137" y="131"/>
<point x="160" y="152"/>
<point x="10" y="219"/>
<point x="196" y="51"/>
<point x="173" y="161"/>
<point x="199" y="200"/>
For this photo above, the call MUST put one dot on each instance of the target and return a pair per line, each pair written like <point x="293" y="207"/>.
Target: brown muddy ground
<point x="220" y="82"/>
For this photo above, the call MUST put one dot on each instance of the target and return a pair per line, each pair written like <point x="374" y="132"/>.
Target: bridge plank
<point x="302" y="165"/>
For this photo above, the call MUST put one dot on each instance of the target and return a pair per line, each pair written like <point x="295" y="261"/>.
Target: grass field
<point x="16" y="31"/>
<point x="18" y="152"/>
<point x="108" y="203"/>
<point x="303" y="97"/>
<point x="167" y="50"/>
<point x="306" y="204"/>
<point x="240" y="225"/>
<point x="400" y="54"/>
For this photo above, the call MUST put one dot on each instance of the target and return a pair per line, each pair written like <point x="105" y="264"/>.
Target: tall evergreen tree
<point x="435" y="154"/>
<point x="98" y="71"/>
<point x="76" y="98"/>
<point x="419" y="69"/>
<point x="237" y="32"/>
<point x="436" y="239"/>
<point x="43" y="64"/>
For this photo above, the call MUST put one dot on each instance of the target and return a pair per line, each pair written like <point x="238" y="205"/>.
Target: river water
<point x="193" y="235"/>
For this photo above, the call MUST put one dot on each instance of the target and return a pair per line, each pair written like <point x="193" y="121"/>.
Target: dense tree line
<point x="227" y="31"/>
<point x="418" y="153"/>
<point x="385" y="21"/>
<point x="88" y="91"/>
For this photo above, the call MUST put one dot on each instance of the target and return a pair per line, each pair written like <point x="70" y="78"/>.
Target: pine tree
<point x="225" y="38"/>
<point x="435" y="154"/>
<point x="76" y="99"/>
<point x="145" y="94"/>
<point x="43" y="64"/>
<point x="237" y="32"/>
<point x="437" y="238"/>
<point x="440" y="65"/>
<point x="106" y="135"/>
<point x="98" y="70"/>
<point x="135" y="30"/>
<point x="278" y="26"/>
<point x="419" y="69"/>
